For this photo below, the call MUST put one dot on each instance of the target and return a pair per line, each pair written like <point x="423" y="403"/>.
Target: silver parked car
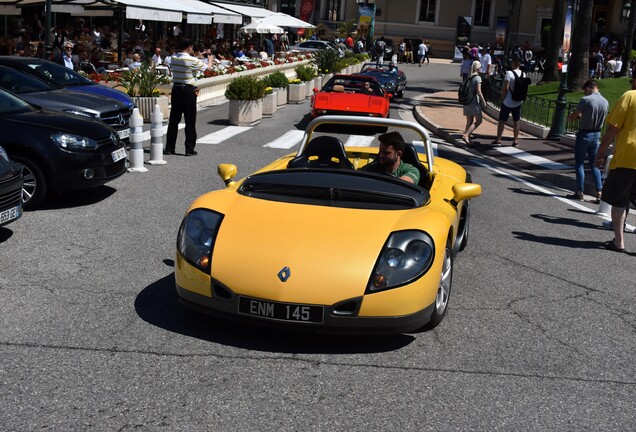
<point x="315" y="45"/>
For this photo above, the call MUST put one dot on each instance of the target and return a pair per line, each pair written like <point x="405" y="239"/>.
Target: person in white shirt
<point x="508" y="105"/>
<point x="421" y="52"/>
<point x="619" y="67"/>
<point x="610" y="66"/>
<point x="156" y="58"/>
<point x="67" y="56"/>
<point x="176" y="31"/>
<point x="485" y="60"/>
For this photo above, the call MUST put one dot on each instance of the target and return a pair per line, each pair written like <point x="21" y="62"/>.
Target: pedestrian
<point x="67" y="58"/>
<point x="466" y="64"/>
<point x="380" y="48"/>
<point x="408" y="51"/>
<point x="591" y="110"/>
<point x="421" y="52"/>
<point x="185" y="69"/>
<point x="486" y="61"/>
<point x="428" y="52"/>
<point x="620" y="183"/>
<point x="473" y="111"/>
<point x="508" y="105"/>
<point x="156" y="57"/>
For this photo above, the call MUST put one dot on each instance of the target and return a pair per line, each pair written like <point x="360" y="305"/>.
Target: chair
<point x="322" y="152"/>
<point x="409" y="156"/>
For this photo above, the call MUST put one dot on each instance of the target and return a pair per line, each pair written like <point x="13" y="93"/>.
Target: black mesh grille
<point x="115" y="168"/>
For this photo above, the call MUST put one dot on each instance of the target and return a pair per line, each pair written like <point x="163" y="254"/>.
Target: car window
<point x="60" y="74"/>
<point x="9" y="104"/>
<point x="18" y="82"/>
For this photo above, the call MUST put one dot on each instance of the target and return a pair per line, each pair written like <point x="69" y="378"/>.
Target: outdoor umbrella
<point x="260" y="27"/>
<point x="283" y="20"/>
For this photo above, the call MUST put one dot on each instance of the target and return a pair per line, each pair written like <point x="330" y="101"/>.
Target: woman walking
<point x="472" y="111"/>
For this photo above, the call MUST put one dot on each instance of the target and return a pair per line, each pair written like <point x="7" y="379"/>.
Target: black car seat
<point x="322" y="152"/>
<point x="409" y="156"/>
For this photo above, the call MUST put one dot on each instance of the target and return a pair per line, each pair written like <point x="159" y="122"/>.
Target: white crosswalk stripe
<point x="533" y="159"/>
<point x="221" y="135"/>
<point x="359" y="141"/>
<point x="287" y="141"/>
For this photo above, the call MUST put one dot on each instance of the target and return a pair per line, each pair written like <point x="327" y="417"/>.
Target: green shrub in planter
<point x="325" y="60"/>
<point x="245" y="88"/>
<point x="340" y="65"/>
<point x="276" y="80"/>
<point x="362" y="58"/>
<point x="305" y="73"/>
<point x="142" y="81"/>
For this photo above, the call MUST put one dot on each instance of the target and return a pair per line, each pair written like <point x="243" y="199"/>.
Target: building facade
<point x="437" y="20"/>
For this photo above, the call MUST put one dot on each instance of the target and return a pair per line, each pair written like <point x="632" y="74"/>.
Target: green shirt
<point x="403" y="170"/>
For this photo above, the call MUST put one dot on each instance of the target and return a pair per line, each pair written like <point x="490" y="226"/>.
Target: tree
<point x="578" y="66"/>
<point x="629" y="44"/>
<point x="511" y="11"/>
<point x="551" y="72"/>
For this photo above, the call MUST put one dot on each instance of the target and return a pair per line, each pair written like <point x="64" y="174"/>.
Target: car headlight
<point x="73" y="142"/>
<point x="389" y="84"/>
<point x="197" y="235"/>
<point x="3" y="154"/>
<point x="406" y="256"/>
<point x="81" y="113"/>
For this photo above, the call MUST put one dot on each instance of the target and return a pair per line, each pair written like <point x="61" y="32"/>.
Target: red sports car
<point x="351" y="95"/>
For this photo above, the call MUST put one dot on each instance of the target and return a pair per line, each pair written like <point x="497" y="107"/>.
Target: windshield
<point x="60" y="74"/>
<point x="9" y="104"/>
<point x="335" y="188"/>
<point x="20" y="83"/>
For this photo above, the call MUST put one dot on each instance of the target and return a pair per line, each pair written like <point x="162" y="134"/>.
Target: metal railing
<point x="534" y="109"/>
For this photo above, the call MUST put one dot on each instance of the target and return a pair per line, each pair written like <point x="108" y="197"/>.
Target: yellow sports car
<point x="311" y="242"/>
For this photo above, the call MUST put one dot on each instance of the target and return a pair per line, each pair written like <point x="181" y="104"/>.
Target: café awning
<point x="252" y="12"/>
<point x="197" y="12"/>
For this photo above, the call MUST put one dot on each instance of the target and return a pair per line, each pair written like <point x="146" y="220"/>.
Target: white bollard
<point x="156" y="137"/>
<point x="603" y="207"/>
<point x="136" y="153"/>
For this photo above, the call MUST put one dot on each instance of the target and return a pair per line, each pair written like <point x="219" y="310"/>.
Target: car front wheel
<point x="34" y="187"/>
<point x="443" y="290"/>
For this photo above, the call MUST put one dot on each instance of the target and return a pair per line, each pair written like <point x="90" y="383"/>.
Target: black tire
<point x="400" y="93"/>
<point x="34" y="189"/>
<point x="443" y="290"/>
<point x="465" y="222"/>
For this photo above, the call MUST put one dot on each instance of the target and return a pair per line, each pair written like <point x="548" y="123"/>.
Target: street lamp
<point x="626" y="10"/>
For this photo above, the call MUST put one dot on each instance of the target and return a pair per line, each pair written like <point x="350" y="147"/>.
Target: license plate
<point x="124" y="133"/>
<point x="118" y="154"/>
<point x="280" y="311"/>
<point x="9" y="214"/>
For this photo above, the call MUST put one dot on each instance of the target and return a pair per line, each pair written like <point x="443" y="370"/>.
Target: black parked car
<point x="58" y="152"/>
<point x="46" y="95"/>
<point x="59" y="75"/>
<point x="10" y="189"/>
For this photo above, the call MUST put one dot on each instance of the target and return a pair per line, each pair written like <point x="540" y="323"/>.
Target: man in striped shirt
<point x="185" y="70"/>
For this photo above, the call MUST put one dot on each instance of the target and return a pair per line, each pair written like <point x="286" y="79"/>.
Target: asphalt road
<point x="540" y="334"/>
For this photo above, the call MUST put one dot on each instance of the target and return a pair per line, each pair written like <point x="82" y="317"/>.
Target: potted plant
<point x="306" y="74"/>
<point x="296" y="91"/>
<point x="142" y="85"/>
<point x="326" y="60"/>
<point x="278" y="80"/>
<point x="246" y="100"/>
<point x="270" y="102"/>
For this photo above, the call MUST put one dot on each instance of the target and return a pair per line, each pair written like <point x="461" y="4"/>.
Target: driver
<point x="389" y="160"/>
<point x="366" y="88"/>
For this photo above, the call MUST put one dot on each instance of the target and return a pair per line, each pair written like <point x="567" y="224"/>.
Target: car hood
<point x="348" y="102"/>
<point x="102" y="90"/>
<point x="62" y="100"/>
<point x="330" y="252"/>
<point x="58" y="122"/>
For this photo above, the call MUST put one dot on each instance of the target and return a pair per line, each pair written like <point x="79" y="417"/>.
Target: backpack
<point x="465" y="95"/>
<point x="520" y="88"/>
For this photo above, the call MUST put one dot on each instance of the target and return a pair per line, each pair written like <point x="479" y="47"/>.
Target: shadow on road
<point x="158" y="305"/>
<point x="77" y="198"/>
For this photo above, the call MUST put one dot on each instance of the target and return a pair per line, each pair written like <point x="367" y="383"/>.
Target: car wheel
<point x="443" y="290"/>
<point x="400" y="93"/>
<point x="34" y="187"/>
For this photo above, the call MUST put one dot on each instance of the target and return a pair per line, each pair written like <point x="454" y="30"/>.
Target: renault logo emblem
<point x="284" y="274"/>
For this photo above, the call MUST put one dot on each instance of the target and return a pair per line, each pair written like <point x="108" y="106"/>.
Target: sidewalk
<point x="550" y="160"/>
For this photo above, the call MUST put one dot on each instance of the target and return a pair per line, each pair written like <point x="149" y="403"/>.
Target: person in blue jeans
<point x="591" y="110"/>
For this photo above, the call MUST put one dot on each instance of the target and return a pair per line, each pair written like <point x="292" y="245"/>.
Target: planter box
<point x="326" y="78"/>
<point x="245" y="113"/>
<point x="146" y="106"/>
<point x="282" y="96"/>
<point x="296" y="93"/>
<point x="270" y="102"/>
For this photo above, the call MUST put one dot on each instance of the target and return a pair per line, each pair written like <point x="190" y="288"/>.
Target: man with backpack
<point x="513" y="93"/>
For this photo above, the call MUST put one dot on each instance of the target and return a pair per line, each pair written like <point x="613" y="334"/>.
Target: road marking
<point x="287" y="141"/>
<point x="359" y="141"/>
<point x="533" y="159"/>
<point x="224" y="134"/>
